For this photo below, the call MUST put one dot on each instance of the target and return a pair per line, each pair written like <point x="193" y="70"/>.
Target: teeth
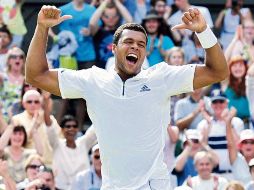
<point x="133" y="55"/>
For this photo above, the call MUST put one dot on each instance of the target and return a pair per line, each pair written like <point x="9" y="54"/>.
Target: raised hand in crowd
<point x="8" y="181"/>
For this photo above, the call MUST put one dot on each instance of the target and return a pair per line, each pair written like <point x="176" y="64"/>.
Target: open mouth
<point x="132" y="58"/>
<point x="17" y="63"/>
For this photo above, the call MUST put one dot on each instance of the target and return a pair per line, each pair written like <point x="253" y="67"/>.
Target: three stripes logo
<point x="145" y="88"/>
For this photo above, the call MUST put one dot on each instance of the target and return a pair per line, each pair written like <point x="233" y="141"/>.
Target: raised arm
<point x="37" y="72"/>
<point x="123" y="11"/>
<point x="215" y="68"/>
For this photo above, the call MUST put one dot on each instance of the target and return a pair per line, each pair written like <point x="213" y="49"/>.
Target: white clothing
<point x="129" y="117"/>
<point x="3" y="63"/>
<point x="240" y="169"/>
<point x="217" y="138"/>
<point x="198" y="183"/>
<point x="67" y="162"/>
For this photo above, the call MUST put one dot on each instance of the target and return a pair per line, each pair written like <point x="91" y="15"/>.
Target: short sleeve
<point x="178" y="79"/>
<point x="73" y="84"/>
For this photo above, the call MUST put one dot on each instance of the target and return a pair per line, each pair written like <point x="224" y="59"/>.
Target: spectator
<point x="242" y="42"/>
<point x="33" y="165"/>
<point x="250" y="90"/>
<point x="110" y="14"/>
<point x="158" y="42"/>
<point x="36" y="104"/>
<point x="48" y="178"/>
<point x="5" y="41"/>
<point x="204" y="165"/>
<point x="236" y="89"/>
<point x="13" y="18"/>
<point x="192" y="143"/>
<point x="227" y="21"/>
<point x="6" y="181"/>
<point x="237" y="159"/>
<point x="214" y="131"/>
<point x="70" y="155"/>
<point x="188" y="111"/>
<point x="91" y="178"/>
<point x="245" y="12"/>
<point x="18" y="106"/>
<point x="15" y="153"/>
<point x="12" y="81"/>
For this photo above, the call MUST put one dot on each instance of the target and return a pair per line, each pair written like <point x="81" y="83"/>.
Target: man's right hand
<point x="50" y="16"/>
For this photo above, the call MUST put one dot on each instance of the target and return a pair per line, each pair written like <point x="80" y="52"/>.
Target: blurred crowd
<point x="44" y="140"/>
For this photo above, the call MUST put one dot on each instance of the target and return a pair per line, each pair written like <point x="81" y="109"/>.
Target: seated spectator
<point x="250" y="90"/>
<point x="11" y="82"/>
<point x="110" y="14"/>
<point x="205" y="179"/>
<point x="213" y="129"/>
<point x="238" y="160"/>
<point x="91" y="178"/>
<point x="34" y="164"/>
<point x="15" y="153"/>
<point x="70" y="155"/>
<point x="6" y="181"/>
<point x="192" y="143"/>
<point x="228" y="20"/>
<point x="236" y="89"/>
<point x="158" y="43"/>
<point x="5" y="41"/>
<point x="36" y="104"/>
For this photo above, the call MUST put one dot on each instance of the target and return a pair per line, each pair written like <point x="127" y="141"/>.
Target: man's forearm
<point x="36" y="62"/>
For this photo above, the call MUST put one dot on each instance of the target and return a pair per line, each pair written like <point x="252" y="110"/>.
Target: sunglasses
<point x="33" y="166"/>
<point x="33" y="101"/>
<point x="248" y="142"/>
<point x="218" y="101"/>
<point x="16" y="56"/>
<point x="97" y="157"/>
<point x="70" y="126"/>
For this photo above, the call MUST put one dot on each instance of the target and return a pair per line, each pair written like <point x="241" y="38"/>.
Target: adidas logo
<point x="145" y="88"/>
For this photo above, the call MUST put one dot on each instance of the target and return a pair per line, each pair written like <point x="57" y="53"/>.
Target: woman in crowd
<point x="235" y="90"/>
<point x="12" y="81"/>
<point x="15" y="153"/>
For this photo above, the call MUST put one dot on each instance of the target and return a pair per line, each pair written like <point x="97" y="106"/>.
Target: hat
<point x="95" y="147"/>
<point x="246" y="134"/>
<point x="251" y="162"/>
<point x="151" y="15"/>
<point x="236" y="58"/>
<point x="217" y="94"/>
<point x="192" y="134"/>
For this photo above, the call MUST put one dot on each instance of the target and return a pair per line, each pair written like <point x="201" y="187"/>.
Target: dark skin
<point x="39" y="75"/>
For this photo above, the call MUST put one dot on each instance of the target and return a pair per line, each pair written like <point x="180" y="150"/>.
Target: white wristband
<point x="207" y="38"/>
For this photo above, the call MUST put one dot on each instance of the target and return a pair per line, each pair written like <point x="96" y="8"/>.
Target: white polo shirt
<point x="130" y="118"/>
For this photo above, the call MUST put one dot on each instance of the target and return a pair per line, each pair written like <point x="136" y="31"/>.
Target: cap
<point x="217" y="94"/>
<point x="95" y="147"/>
<point x="246" y="134"/>
<point x="192" y="134"/>
<point x="151" y="15"/>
